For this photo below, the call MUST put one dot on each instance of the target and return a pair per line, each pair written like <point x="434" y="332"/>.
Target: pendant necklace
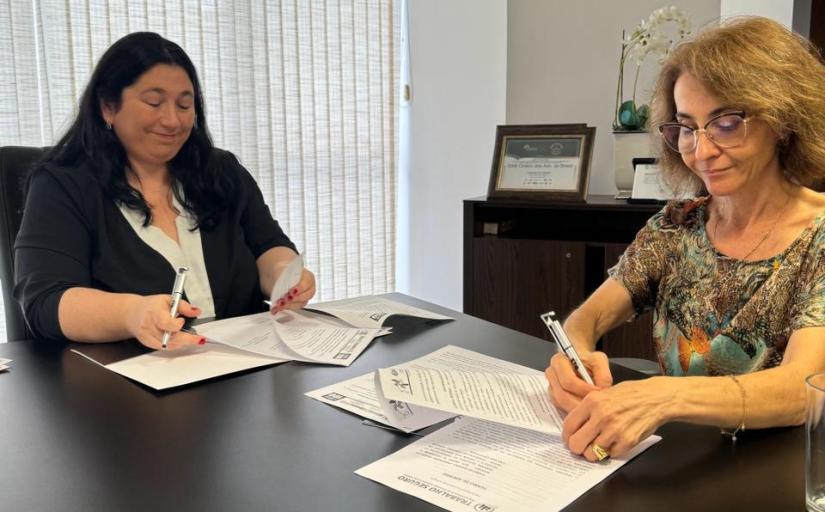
<point x="728" y="288"/>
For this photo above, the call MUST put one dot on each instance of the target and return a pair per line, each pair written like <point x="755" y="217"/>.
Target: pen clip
<point x="180" y="278"/>
<point x="563" y="342"/>
<point x="554" y="327"/>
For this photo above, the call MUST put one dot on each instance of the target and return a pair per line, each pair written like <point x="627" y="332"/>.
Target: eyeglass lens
<point x="725" y="131"/>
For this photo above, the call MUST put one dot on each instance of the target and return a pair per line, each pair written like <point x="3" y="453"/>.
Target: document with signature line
<point x="474" y="465"/>
<point x="360" y="396"/>
<point x="262" y="339"/>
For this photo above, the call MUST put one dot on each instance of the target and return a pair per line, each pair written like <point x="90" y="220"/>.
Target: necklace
<point x="728" y="286"/>
<point x="764" y="237"/>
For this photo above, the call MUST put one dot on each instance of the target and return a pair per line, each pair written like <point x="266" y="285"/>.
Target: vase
<point x="626" y="147"/>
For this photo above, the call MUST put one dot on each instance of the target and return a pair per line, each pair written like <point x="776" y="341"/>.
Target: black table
<point x="76" y="437"/>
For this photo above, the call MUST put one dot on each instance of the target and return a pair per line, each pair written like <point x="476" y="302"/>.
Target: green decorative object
<point x="643" y="114"/>
<point x="655" y="35"/>
<point x="628" y="117"/>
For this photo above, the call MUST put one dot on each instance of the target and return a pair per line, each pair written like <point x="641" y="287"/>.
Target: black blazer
<point x="73" y="235"/>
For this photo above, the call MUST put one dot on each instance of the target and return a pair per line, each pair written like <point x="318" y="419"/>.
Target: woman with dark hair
<point x="132" y="191"/>
<point x="735" y="278"/>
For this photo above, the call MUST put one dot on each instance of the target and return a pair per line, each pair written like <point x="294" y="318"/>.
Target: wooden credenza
<point x="553" y="255"/>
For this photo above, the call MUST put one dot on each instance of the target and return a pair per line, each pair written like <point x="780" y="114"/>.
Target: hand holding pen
<point x="572" y="375"/>
<point x="148" y="319"/>
<point x="177" y="295"/>
<point x="561" y="339"/>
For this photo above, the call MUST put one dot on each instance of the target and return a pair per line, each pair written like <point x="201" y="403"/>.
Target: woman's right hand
<point x="149" y="318"/>
<point x="567" y="389"/>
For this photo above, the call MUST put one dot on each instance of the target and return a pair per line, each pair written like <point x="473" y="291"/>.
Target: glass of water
<point x="815" y="444"/>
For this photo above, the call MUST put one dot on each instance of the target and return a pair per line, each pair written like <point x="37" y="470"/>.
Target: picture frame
<point x="541" y="162"/>
<point x="647" y="182"/>
<point x="649" y="185"/>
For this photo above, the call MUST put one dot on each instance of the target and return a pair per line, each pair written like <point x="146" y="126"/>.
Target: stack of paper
<point x="473" y="464"/>
<point x="362" y="396"/>
<point x="4" y="364"/>
<point x="252" y="341"/>
<point x="414" y="397"/>
<point x="312" y="335"/>
<point x="293" y="336"/>
<point x="515" y="462"/>
<point x="370" y="311"/>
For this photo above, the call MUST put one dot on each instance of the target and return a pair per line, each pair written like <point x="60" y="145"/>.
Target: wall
<point x="476" y="64"/>
<point x="794" y="14"/>
<point x="779" y="10"/>
<point x="458" y="58"/>
<point x="562" y="65"/>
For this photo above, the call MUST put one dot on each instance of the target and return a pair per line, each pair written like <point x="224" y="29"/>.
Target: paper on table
<point x="302" y="335"/>
<point x="519" y="400"/>
<point x="359" y="396"/>
<point x="290" y="277"/>
<point x="248" y="339"/>
<point x="4" y="364"/>
<point x="165" y="369"/>
<point x="371" y="311"/>
<point x="356" y="395"/>
<point x="473" y="465"/>
<point x="294" y="335"/>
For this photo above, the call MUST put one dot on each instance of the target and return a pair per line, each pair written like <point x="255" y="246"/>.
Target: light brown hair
<point x="756" y="65"/>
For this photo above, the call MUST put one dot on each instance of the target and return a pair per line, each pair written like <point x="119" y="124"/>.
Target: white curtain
<point x="305" y="92"/>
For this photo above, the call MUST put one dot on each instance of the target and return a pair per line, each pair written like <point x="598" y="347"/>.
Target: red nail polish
<point x="202" y="341"/>
<point x="294" y="291"/>
<point x="281" y="303"/>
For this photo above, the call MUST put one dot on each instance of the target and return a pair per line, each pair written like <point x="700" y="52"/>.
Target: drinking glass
<point x="815" y="444"/>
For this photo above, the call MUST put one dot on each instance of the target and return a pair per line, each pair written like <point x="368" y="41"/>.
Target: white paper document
<point x="294" y="335"/>
<point x="515" y="399"/>
<point x="476" y="465"/>
<point x="256" y="340"/>
<point x="4" y="364"/>
<point x="289" y="278"/>
<point x="355" y="395"/>
<point x="359" y="395"/>
<point x="371" y="311"/>
<point x="247" y="342"/>
<point x="164" y="369"/>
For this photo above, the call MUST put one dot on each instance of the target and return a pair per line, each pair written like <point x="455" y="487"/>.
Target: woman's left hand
<point x="617" y="418"/>
<point x="299" y="295"/>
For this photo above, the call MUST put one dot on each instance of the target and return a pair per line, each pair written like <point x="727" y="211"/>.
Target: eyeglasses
<point x="726" y="130"/>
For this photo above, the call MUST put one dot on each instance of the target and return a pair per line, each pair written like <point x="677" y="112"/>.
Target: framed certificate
<point x="541" y="162"/>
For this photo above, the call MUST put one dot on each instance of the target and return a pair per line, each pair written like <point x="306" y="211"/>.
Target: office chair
<point x="15" y="162"/>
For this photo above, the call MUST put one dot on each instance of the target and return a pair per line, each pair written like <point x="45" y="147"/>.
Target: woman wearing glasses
<point x="736" y="277"/>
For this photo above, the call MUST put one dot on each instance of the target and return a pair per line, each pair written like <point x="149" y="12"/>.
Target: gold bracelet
<point x="741" y="427"/>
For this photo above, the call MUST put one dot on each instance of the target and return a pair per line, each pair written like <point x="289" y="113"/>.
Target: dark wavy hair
<point x="88" y="142"/>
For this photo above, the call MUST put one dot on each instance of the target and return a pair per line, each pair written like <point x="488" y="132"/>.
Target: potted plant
<point x="655" y="35"/>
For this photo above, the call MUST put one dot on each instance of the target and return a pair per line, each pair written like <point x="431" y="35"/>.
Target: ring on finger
<point x="599" y="452"/>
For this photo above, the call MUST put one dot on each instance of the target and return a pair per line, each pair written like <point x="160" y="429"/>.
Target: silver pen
<point x="561" y="339"/>
<point x="177" y="293"/>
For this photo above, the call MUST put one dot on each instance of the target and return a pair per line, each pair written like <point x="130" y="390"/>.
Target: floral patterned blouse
<point x="716" y="315"/>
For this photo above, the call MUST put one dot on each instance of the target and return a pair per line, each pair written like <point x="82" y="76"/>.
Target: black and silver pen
<point x="177" y="293"/>
<point x="561" y="339"/>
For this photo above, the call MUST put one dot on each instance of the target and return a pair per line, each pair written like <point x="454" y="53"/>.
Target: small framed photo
<point x="541" y="162"/>
<point x="649" y="186"/>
